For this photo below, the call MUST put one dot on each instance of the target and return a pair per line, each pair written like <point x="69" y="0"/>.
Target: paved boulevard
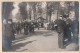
<point x="40" y="41"/>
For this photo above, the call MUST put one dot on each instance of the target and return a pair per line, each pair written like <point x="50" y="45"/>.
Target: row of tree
<point x="35" y="10"/>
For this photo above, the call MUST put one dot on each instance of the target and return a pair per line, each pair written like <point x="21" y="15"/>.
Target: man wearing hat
<point x="60" y="29"/>
<point x="68" y="28"/>
<point x="9" y="33"/>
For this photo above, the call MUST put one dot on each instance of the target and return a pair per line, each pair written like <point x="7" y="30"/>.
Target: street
<point x="39" y="41"/>
<point x="33" y="26"/>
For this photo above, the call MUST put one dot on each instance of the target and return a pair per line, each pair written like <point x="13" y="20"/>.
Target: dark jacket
<point x="61" y="24"/>
<point x="10" y="31"/>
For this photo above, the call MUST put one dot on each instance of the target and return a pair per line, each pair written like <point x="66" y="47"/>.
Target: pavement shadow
<point x="18" y="46"/>
<point x="21" y="37"/>
<point x="67" y="43"/>
<point x="23" y="50"/>
<point x="36" y="33"/>
<point x="43" y="33"/>
<point x="49" y="34"/>
<point x="18" y="40"/>
<point x="40" y="32"/>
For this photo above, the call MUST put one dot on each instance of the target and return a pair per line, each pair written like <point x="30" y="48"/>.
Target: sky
<point x="16" y="8"/>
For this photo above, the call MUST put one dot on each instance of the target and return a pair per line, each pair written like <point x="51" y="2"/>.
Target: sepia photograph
<point x="40" y="26"/>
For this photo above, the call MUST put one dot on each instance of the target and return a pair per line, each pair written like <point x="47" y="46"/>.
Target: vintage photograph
<point x="45" y="26"/>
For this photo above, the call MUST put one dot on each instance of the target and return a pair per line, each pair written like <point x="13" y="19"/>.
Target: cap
<point x="64" y="16"/>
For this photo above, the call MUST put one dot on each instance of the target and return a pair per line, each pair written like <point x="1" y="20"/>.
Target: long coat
<point x="7" y="36"/>
<point x="61" y="25"/>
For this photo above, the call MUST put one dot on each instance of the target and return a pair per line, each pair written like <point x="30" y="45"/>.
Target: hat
<point x="64" y="16"/>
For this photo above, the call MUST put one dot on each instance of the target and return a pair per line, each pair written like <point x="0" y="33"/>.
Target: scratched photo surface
<point x="40" y="26"/>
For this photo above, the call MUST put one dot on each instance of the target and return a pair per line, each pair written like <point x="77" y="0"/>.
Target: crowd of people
<point x="27" y="26"/>
<point x="65" y="28"/>
<point x="10" y="29"/>
<point x="63" y="25"/>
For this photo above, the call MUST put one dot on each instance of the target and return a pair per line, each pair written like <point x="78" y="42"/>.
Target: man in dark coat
<point x="38" y="25"/>
<point x="9" y="34"/>
<point x="68" y="28"/>
<point x="17" y="27"/>
<point x="26" y="28"/>
<point x="32" y="27"/>
<point x="60" y="29"/>
<point x="4" y="37"/>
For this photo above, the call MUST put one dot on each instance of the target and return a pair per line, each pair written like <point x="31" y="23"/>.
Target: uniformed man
<point x="38" y="25"/>
<point x="68" y="28"/>
<point x="26" y="28"/>
<point x="4" y="37"/>
<point x="9" y="34"/>
<point x="20" y="27"/>
<point x="17" y="27"/>
<point x="60" y="29"/>
<point x="32" y="27"/>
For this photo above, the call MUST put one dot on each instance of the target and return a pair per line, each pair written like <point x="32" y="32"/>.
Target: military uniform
<point x="4" y="38"/>
<point x="32" y="27"/>
<point x="18" y="28"/>
<point x="60" y="29"/>
<point x="68" y="29"/>
<point x="8" y="35"/>
<point x="25" y="28"/>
